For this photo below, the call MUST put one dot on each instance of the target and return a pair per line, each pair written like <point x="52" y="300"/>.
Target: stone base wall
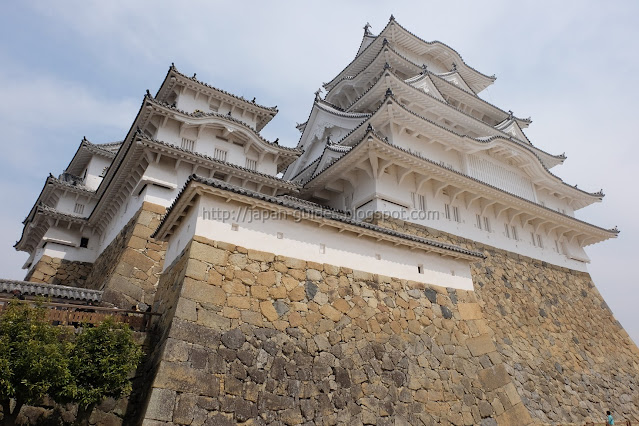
<point x="51" y="270"/>
<point x="128" y="270"/>
<point x="570" y="359"/>
<point x="255" y="338"/>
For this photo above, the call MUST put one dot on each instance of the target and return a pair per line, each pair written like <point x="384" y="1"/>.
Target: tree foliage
<point x="37" y="359"/>
<point x="101" y="360"/>
<point x="33" y="358"/>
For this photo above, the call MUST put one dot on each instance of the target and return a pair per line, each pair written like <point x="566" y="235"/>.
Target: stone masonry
<point x="128" y="270"/>
<point x="51" y="270"/>
<point x="570" y="359"/>
<point x="255" y="338"/>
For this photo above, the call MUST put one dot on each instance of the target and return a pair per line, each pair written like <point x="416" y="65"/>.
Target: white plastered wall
<point x="307" y="241"/>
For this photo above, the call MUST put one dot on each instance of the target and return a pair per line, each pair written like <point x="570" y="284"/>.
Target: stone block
<point x="517" y="415"/>
<point x="194" y="333"/>
<point x="181" y="378"/>
<point x="185" y="408"/>
<point x="481" y="345"/>
<point x="294" y="263"/>
<point x="154" y="208"/>
<point x="331" y="313"/>
<point x="260" y="256"/>
<point x="203" y="292"/>
<point x="175" y="350"/>
<point x="297" y="294"/>
<point x="213" y="320"/>
<point x="268" y="310"/>
<point x="470" y="311"/>
<point x="313" y="275"/>
<point x="186" y="309"/>
<point x="268" y="278"/>
<point x="493" y="378"/>
<point x="161" y="403"/>
<point x="208" y="254"/>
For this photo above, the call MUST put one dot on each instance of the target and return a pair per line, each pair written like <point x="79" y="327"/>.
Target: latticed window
<point x="251" y="164"/>
<point x="219" y="154"/>
<point x="419" y="201"/>
<point x="79" y="208"/>
<point x="188" y="144"/>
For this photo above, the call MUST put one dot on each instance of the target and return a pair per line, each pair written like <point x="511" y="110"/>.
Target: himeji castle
<point x="414" y="258"/>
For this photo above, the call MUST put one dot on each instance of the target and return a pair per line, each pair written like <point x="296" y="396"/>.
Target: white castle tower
<point x="402" y="131"/>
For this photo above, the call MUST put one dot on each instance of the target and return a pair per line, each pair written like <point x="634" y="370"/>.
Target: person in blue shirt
<point x="610" y="420"/>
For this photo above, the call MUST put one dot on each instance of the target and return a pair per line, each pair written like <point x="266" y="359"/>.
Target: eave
<point x="372" y="143"/>
<point x="84" y="153"/>
<point x="201" y="160"/>
<point x="34" y="230"/>
<point x="197" y="186"/>
<point x="202" y="119"/>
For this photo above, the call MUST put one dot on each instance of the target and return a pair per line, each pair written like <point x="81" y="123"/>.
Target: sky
<point x="70" y="69"/>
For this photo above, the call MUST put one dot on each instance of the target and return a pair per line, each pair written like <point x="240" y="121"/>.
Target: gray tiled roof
<point x="50" y="290"/>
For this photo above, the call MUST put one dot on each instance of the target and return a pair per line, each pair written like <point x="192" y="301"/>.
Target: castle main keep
<point x="413" y="260"/>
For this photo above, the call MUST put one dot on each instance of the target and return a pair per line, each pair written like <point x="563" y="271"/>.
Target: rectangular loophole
<point x="280" y="235"/>
<point x="420" y="268"/>
<point x="378" y="256"/>
<point x="234" y="227"/>
<point x="322" y="248"/>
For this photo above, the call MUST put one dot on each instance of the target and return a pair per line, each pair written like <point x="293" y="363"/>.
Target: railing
<point x="76" y="315"/>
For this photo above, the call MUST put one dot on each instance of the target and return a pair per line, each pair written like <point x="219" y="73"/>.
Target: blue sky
<point x="80" y="68"/>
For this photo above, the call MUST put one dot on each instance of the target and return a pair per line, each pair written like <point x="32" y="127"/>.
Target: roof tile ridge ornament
<point x="453" y="67"/>
<point x="367" y="29"/>
<point x="317" y="94"/>
<point x="389" y="92"/>
<point x="387" y="66"/>
<point x="424" y="69"/>
<point x="385" y="42"/>
<point x="392" y="18"/>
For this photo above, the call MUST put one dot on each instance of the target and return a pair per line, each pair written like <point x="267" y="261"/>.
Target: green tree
<point x="33" y="358"/>
<point x="37" y="359"/>
<point x="101" y="362"/>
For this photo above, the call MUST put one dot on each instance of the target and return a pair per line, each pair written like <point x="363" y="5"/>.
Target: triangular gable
<point x="324" y="122"/>
<point x="456" y="79"/>
<point x="511" y="127"/>
<point x="424" y="83"/>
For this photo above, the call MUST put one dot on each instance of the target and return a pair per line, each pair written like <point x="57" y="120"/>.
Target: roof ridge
<point x="272" y="109"/>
